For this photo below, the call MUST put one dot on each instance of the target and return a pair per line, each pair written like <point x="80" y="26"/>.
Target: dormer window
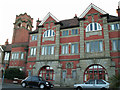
<point x="49" y="33"/>
<point x="93" y="27"/>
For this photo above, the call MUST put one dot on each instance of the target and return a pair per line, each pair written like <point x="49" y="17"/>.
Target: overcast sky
<point x="61" y="9"/>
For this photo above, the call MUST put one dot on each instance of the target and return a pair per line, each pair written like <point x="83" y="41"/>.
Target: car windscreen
<point x="100" y="82"/>
<point x="28" y="79"/>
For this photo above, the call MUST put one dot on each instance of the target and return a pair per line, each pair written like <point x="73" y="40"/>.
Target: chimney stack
<point x="75" y="16"/>
<point x="118" y="10"/>
<point x="38" y="22"/>
<point x="6" y="43"/>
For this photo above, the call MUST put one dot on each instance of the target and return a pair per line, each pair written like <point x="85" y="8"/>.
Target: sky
<point x="61" y="9"/>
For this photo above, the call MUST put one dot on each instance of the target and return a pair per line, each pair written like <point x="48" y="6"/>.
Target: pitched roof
<point x="33" y="32"/>
<point x="113" y="18"/>
<point x="8" y="47"/>
<point x="90" y="7"/>
<point x="69" y="23"/>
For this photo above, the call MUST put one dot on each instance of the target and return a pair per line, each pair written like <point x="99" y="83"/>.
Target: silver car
<point x="93" y="84"/>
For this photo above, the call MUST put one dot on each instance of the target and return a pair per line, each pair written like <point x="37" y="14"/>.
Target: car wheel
<point x="79" y="88"/>
<point x="23" y="84"/>
<point x="103" y="88"/>
<point x="42" y="86"/>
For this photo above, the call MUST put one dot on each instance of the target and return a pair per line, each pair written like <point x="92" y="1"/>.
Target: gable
<point x="48" y="17"/>
<point x="91" y="9"/>
<point x="1" y="49"/>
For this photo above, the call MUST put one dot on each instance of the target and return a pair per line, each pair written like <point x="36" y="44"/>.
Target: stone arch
<point x="95" y="71"/>
<point x="106" y="63"/>
<point x="47" y="73"/>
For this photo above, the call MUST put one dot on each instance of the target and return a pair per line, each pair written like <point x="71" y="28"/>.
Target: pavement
<point x="8" y="85"/>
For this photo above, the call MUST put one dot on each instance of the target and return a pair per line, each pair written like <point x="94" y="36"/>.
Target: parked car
<point x="36" y="81"/>
<point x="93" y="84"/>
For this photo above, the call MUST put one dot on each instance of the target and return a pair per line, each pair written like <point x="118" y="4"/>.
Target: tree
<point x="12" y="73"/>
<point x="115" y="81"/>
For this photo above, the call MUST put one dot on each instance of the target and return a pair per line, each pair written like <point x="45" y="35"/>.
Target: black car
<point x="36" y="81"/>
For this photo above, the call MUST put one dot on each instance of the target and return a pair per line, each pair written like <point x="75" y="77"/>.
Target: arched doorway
<point x="95" y="72"/>
<point x="47" y="73"/>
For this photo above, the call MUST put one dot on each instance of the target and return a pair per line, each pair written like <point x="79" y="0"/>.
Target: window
<point x="115" y="26"/>
<point x="94" y="46"/>
<point x="22" y="56"/>
<point x="65" y="33"/>
<point x="7" y="55"/>
<point x="93" y="27"/>
<point x="95" y="72"/>
<point x="116" y="45"/>
<point x="33" y="51"/>
<point x="49" y="33"/>
<point x="47" y="50"/>
<point x="28" y="78"/>
<point x="74" y="31"/>
<point x="87" y="47"/>
<point x="34" y="37"/>
<point x="90" y="82"/>
<point x="34" y="78"/>
<point x="28" y="27"/>
<point x="63" y="74"/>
<point x="74" y="74"/>
<point x="65" y="49"/>
<point x="100" y="82"/>
<point x="74" y="48"/>
<point x="19" y="25"/>
<point x="15" y="55"/>
<point x="47" y="73"/>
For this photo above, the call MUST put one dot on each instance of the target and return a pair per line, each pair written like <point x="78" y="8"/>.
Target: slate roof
<point x="35" y="31"/>
<point x="69" y="23"/>
<point x="113" y="18"/>
<point x="7" y="48"/>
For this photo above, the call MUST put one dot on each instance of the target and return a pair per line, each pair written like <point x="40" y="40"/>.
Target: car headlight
<point x="46" y="82"/>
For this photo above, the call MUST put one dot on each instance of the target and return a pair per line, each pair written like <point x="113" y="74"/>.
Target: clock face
<point x="49" y="33"/>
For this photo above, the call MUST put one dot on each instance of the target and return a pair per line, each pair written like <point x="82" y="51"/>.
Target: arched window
<point x="93" y="27"/>
<point x="95" y="72"/>
<point x="19" y="25"/>
<point x="47" y="73"/>
<point x="49" y="33"/>
<point x="28" y="27"/>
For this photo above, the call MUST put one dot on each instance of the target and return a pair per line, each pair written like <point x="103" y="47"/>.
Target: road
<point x="18" y="87"/>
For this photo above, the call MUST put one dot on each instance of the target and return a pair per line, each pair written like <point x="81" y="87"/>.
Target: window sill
<point x="48" y="55"/>
<point x="115" y="51"/>
<point x="32" y="56"/>
<point x="93" y="52"/>
<point x="93" y="31"/>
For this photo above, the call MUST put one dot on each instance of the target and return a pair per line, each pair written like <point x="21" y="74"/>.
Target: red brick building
<point x="68" y="51"/>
